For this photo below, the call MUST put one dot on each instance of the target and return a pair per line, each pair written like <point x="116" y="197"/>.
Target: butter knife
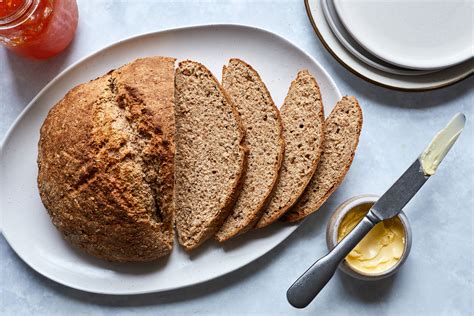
<point x="308" y="285"/>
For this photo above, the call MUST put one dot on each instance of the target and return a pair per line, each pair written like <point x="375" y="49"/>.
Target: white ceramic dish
<point x="438" y="79"/>
<point x="26" y="225"/>
<point x="416" y="34"/>
<point x="357" y="50"/>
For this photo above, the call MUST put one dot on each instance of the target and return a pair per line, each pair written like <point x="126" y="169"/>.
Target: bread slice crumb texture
<point x="264" y="139"/>
<point x="343" y="127"/>
<point x="210" y="155"/>
<point x="303" y="129"/>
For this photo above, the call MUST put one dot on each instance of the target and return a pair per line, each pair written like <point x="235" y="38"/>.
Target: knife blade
<point x="308" y="285"/>
<point x="401" y="192"/>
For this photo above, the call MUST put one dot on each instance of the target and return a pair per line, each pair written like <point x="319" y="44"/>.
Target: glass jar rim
<point x="20" y="15"/>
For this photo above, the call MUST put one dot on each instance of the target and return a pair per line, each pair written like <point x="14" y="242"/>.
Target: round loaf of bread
<point x="105" y="161"/>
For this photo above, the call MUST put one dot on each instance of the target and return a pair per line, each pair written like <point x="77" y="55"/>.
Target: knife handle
<point x="308" y="285"/>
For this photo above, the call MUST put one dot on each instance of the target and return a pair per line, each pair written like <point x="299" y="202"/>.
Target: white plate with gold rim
<point x="414" y="34"/>
<point x="356" y="49"/>
<point x="25" y="223"/>
<point x="430" y="81"/>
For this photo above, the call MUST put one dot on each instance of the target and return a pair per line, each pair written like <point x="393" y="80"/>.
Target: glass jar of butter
<point x="382" y="251"/>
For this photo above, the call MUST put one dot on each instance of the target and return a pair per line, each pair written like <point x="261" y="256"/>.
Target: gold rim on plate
<point x="334" y="55"/>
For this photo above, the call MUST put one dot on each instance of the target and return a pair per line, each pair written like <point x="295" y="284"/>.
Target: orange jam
<point x="37" y="28"/>
<point x="7" y="7"/>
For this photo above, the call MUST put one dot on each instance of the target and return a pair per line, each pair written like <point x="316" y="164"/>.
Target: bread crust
<point x="231" y="196"/>
<point x="256" y="214"/>
<point x="93" y="149"/>
<point x="302" y="209"/>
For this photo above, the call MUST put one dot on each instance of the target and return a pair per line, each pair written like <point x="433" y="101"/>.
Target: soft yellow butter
<point x="441" y="144"/>
<point x="380" y="249"/>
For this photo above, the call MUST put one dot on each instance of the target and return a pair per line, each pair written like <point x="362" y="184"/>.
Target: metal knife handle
<point x="305" y="289"/>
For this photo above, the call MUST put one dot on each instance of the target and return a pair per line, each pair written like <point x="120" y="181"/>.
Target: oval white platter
<point x="25" y="223"/>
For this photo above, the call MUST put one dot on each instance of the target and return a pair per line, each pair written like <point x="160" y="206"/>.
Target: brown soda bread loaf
<point x="105" y="161"/>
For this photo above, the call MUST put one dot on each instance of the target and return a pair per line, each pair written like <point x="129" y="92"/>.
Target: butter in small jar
<point x="381" y="249"/>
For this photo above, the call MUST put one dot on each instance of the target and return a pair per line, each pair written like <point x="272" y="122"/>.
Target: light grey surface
<point x="437" y="278"/>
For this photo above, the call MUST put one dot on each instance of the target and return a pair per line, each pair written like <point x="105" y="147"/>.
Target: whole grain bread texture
<point x="263" y="137"/>
<point x="105" y="161"/>
<point x="343" y="127"/>
<point x="210" y="154"/>
<point x="303" y="129"/>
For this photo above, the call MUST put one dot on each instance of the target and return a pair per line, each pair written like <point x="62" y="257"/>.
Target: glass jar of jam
<point x="37" y="28"/>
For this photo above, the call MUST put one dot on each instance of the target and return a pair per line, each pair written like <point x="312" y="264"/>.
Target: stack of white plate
<point x="412" y="45"/>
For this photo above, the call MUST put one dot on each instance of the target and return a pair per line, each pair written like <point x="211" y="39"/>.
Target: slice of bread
<point x="263" y="137"/>
<point x="210" y="155"/>
<point x="105" y="161"/>
<point x="303" y="129"/>
<point x="342" y="133"/>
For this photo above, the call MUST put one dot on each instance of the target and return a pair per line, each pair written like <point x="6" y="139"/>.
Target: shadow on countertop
<point x="389" y="97"/>
<point x="412" y="100"/>
<point x="366" y="291"/>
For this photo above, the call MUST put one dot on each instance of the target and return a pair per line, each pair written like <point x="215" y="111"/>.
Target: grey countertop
<point x="437" y="278"/>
